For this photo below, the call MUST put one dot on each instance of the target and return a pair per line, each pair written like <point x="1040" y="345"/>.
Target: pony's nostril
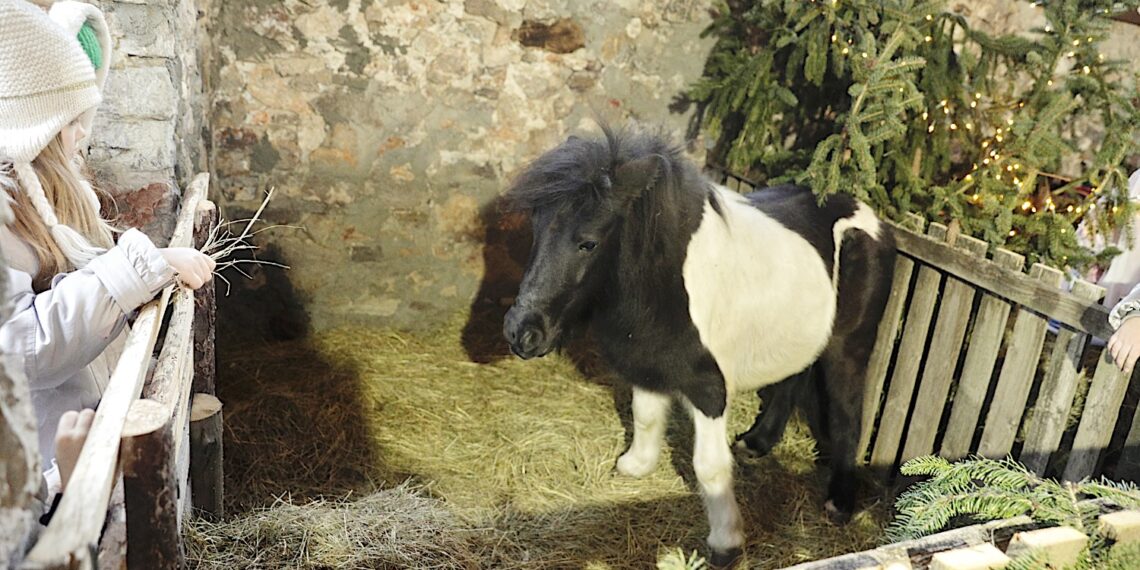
<point x="530" y="338"/>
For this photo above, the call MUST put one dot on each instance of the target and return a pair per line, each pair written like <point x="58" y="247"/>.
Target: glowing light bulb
<point x="953" y="126"/>
<point x="1026" y="205"/>
<point x="928" y="39"/>
<point x="1085" y="69"/>
<point x="1012" y="233"/>
<point x="845" y="50"/>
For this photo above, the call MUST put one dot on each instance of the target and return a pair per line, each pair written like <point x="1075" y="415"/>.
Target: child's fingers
<point x="86" y="418"/>
<point x="67" y="421"/>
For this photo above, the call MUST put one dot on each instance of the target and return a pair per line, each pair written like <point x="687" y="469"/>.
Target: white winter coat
<point x="67" y="339"/>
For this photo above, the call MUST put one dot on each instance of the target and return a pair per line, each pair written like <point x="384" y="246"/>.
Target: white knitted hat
<point x="47" y="80"/>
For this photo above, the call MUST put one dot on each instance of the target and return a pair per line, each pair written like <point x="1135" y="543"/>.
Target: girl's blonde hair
<point x="62" y="182"/>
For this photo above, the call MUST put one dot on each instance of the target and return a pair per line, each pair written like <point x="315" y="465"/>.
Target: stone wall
<point x="387" y="127"/>
<point x="148" y="141"/>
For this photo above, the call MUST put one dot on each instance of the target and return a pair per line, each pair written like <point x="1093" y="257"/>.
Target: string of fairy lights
<point x="1008" y="168"/>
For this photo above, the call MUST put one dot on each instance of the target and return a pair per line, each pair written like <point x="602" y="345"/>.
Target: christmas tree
<point x="904" y="105"/>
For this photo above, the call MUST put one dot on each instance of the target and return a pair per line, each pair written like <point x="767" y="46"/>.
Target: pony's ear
<point x="633" y="178"/>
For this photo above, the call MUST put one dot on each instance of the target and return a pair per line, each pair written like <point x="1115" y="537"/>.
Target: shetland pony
<point x="694" y="292"/>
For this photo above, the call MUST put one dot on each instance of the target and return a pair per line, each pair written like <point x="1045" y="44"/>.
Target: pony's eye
<point x="587" y="245"/>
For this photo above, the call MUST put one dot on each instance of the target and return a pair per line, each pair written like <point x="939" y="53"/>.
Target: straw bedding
<point x="363" y="448"/>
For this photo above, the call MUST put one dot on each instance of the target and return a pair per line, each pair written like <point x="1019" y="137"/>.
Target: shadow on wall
<point x="506" y="246"/>
<point x="261" y="305"/>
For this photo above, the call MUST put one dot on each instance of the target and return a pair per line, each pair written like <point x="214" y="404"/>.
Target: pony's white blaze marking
<point x="864" y="219"/>
<point x="650" y="412"/>
<point x="759" y="294"/>
<point x="712" y="463"/>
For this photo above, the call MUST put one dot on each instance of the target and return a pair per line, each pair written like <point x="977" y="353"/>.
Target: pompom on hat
<point x="52" y="70"/>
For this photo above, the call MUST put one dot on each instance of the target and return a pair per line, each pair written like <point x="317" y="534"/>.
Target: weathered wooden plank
<point x="985" y="343"/>
<point x="911" y="348"/>
<point x="880" y="360"/>
<point x="79" y="516"/>
<point x="1016" y="377"/>
<point x="1102" y="406"/>
<point x="942" y="357"/>
<point x="1129" y="467"/>
<point x="75" y="528"/>
<point x="1046" y="424"/>
<point x="1061" y="305"/>
<point x="884" y="348"/>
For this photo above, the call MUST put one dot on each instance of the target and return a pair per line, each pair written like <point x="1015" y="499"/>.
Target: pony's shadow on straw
<point x="296" y="421"/>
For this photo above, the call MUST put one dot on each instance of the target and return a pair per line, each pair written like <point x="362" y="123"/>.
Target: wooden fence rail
<point x="960" y="367"/>
<point x="142" y="428"/>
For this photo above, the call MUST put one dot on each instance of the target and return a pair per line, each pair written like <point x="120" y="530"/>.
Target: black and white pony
<point x="695" y="292"/>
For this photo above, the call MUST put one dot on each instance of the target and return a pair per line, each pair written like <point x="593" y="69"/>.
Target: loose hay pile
<point x="510" y="463"/>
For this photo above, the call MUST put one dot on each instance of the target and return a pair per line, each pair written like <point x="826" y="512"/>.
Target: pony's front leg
<point x="650" y="413"/>
<point x="712" y="462"/>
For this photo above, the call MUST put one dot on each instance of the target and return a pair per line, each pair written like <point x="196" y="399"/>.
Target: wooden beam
<point x="1082" y="314"/>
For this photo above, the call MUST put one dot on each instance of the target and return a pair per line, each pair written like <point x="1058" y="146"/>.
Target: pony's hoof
<point x="724" y="559"/>
<point x="631" y="465"/>
<point x="836" y="515"/>
<point x="758" y="446"/>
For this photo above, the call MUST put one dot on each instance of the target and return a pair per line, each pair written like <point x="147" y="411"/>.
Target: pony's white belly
<point x="760" y="295"/>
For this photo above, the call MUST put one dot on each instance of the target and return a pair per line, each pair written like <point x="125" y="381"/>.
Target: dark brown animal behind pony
<point x="694" y="292"/>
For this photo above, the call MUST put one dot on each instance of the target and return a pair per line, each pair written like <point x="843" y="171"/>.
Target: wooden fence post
<point x="206" y="480"/>
<point x="150" y="487"/>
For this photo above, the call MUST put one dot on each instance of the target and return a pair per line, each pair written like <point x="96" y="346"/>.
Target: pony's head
<point x="578" y="195"/>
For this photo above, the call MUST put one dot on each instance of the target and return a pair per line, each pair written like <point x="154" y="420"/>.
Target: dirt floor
<point x="362" y="448"/>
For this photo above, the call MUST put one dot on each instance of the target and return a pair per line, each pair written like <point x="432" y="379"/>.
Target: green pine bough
<point x="906" y="106"/>
<point x="986" y="489"/>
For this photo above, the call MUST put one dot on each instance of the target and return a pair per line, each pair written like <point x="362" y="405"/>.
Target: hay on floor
<point x="512" y="460"/>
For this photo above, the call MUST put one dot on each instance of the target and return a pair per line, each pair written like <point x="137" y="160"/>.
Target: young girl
<point x="71" y="287"/>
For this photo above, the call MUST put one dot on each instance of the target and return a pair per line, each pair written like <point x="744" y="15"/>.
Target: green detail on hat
<point x="90" y="43"/>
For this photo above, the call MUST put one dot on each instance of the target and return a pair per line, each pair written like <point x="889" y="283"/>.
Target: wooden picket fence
<point x="957" y="368"/>
<point x="157" y="425"/>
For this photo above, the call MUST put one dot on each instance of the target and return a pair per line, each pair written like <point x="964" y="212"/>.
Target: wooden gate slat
<point x="1102" y="407"/>
<point x="911" y="348"/>
<point x="1129" y="467"/>
<point x="1046" y="424"/>
<point x="1016" y="378"/>
<point x="885" y="341"/>
<point x="981" y="355"/>
<point x="942" y="357"/>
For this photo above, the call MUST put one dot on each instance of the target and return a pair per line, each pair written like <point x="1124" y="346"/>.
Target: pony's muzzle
<point x="526" y="333"/>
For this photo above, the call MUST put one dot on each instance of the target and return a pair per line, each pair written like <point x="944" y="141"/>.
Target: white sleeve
<point x="1129" y="306"/>
<point x="55" y="333"/>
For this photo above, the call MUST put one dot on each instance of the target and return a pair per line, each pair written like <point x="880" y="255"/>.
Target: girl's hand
<point x="1124" y="345"/>
<point x="192" y="267"/>
<point x="69" y="439"/>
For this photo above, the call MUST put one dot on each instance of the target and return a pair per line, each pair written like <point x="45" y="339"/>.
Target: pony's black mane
<point x="579" y="172"/>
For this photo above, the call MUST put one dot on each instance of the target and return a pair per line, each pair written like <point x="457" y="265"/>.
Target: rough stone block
<point x="1061" y="545"/>
<point x="1123" y="526"/>
<point x="981" y="557"/>
<point x="140" y="93"/>
<point x="143" y="30"/>
<point x="133" y="145"/>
